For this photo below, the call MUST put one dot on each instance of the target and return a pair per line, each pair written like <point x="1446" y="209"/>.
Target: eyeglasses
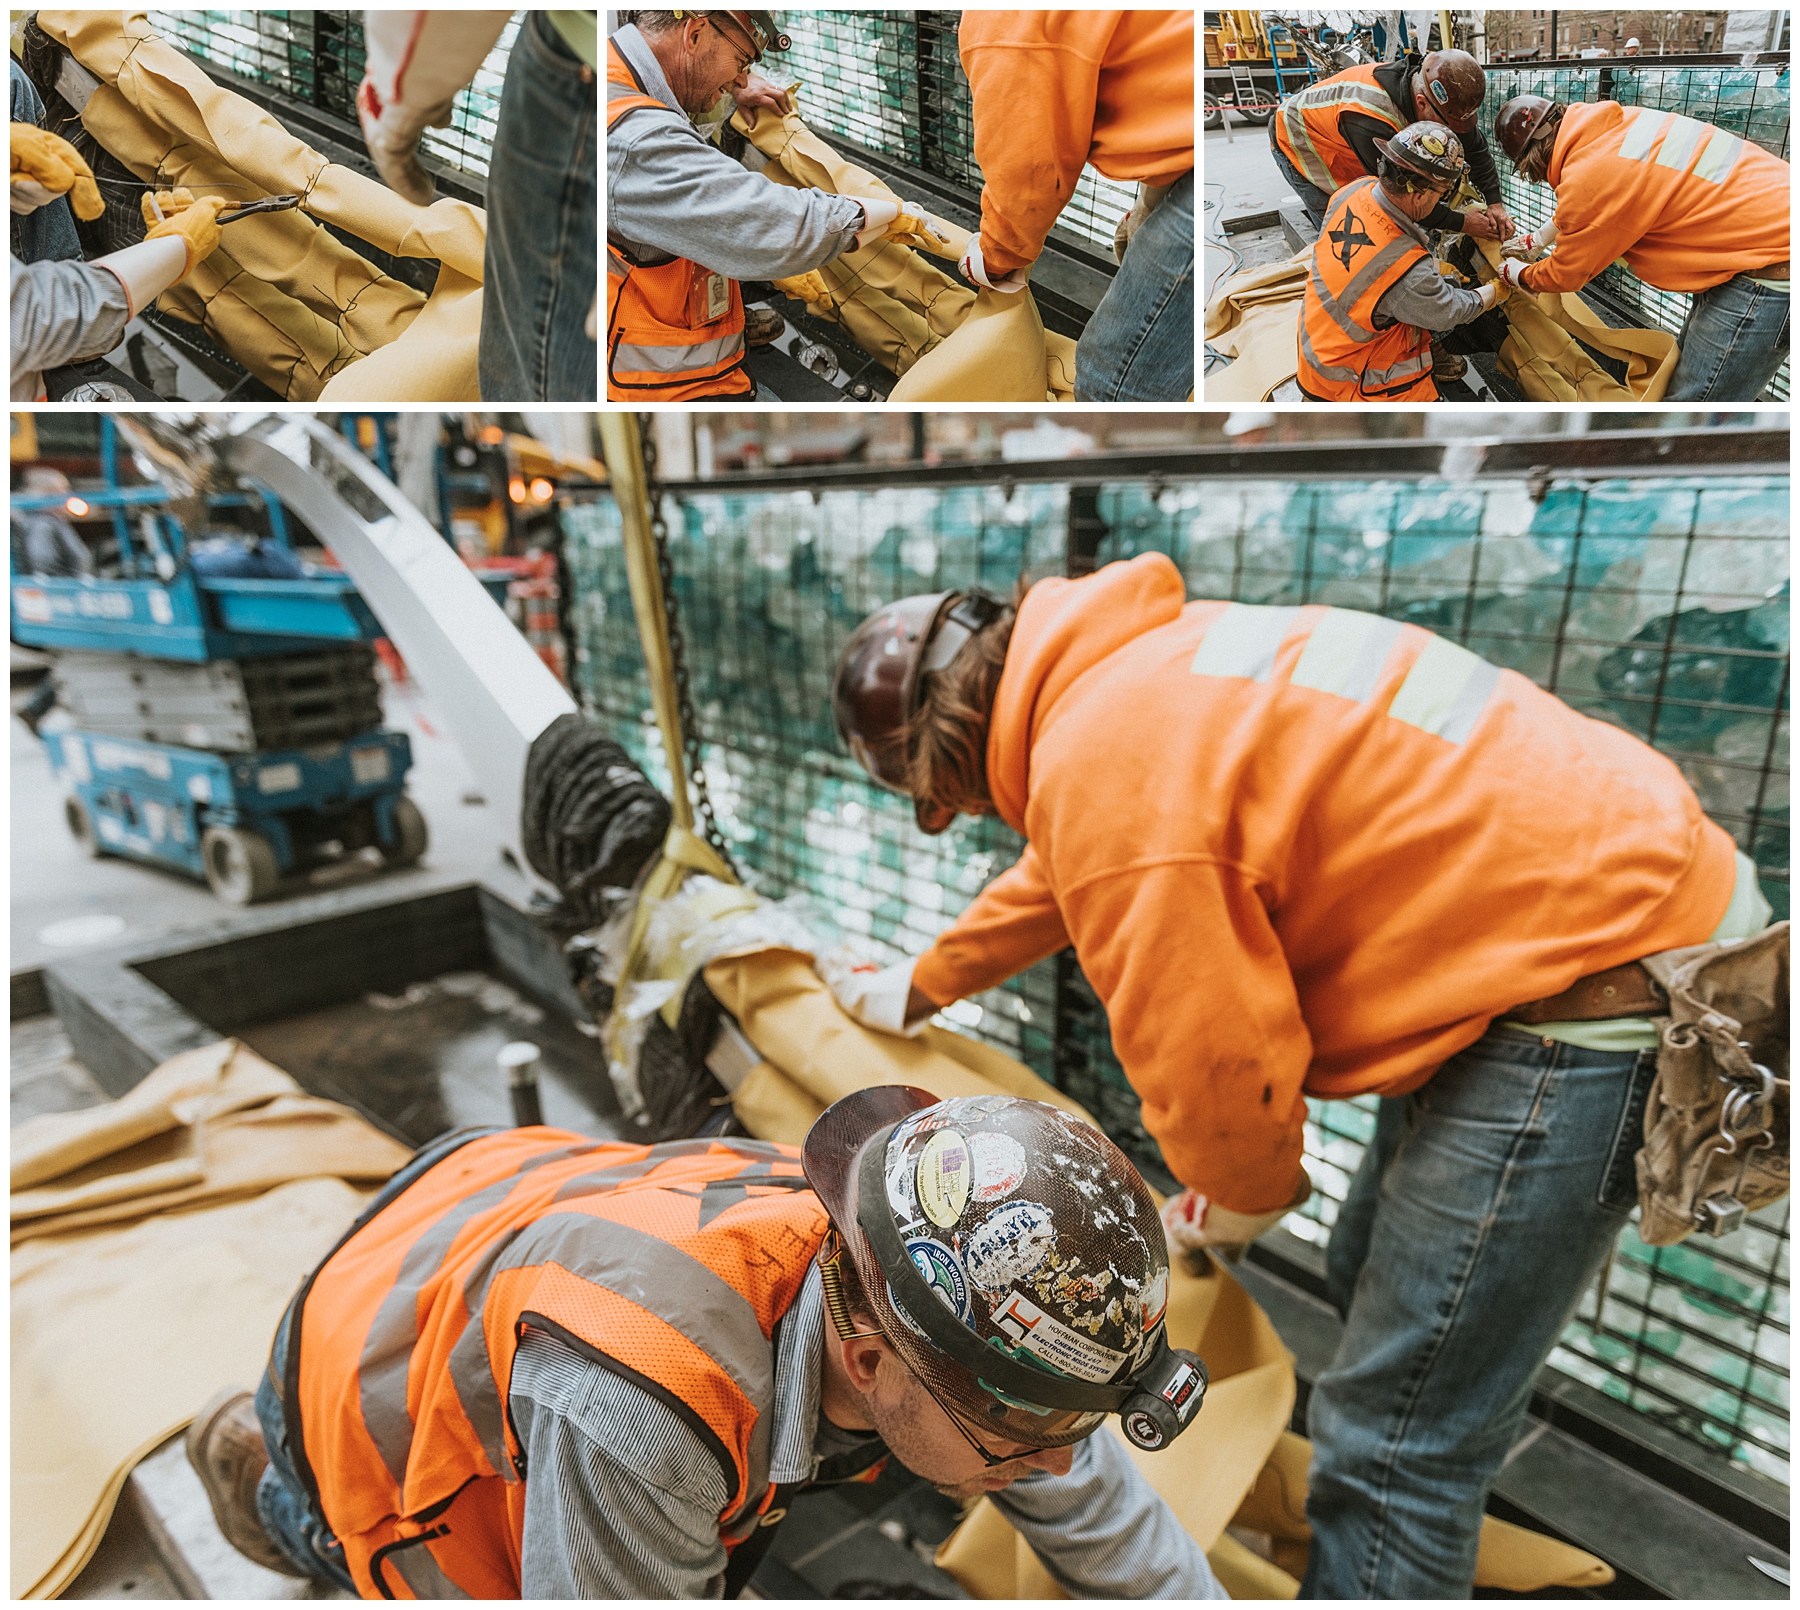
<point x="745" y="63"/>
<point x="963" y="1429"/>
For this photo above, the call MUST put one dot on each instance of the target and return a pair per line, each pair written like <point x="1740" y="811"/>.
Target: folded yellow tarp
<point x="307" y="315"/>
<point x="946" y="342"/>
<point x="122" y="1330"/>
<point x="1253" y="318"/>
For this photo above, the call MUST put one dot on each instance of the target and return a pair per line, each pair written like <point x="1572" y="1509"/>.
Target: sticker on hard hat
<point x="901" y="1196"/>
<point x="1156" y="1300"/>
<point x="999" y="1166"/>
<point x="1439" y="93"/>
<point x="937" y="1263"/>
<point x="1067" y="1351"/>
<point x="942" y="1178"/>
<point x="1180" y="1388"/>
<point x="1009" y="1246"/>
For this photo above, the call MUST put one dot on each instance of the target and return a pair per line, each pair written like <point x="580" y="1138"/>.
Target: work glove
<point x="1511" y="271"/>
<point x="45" y="166"/>
<point x="809" y="287"/>
<point x="1534" y="247"/>
<point x="391" y="132"/>
<point x="759" y="91"/>
<point x="1191" y="1223"/>
<point x="901" y="221"/>
<point x="874" y="997"/>
<point x="972" y="268"/>
<point x="195" y="221"/>
<point x="1494" y="292"/>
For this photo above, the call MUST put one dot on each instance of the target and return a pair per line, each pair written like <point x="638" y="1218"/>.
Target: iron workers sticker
<point x="937" y="1263"/>
<point x="943" y="1178"/>
<point x="999" y="1166"/>
<point x="1010" y="1245"/>
<point x="1067" y="1351"/>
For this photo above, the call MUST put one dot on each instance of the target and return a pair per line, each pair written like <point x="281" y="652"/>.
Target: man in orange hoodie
<point x="1689" y="206"/>
<point x="1053" y="92"/>
<point x="1313" y="852"/>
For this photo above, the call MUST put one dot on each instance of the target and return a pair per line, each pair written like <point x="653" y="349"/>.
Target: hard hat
<point x="1630" y="42"/>
<point x="758" y="26"/>
<point x="877" y="687"/>
<point x="1455" y="87"/>
<point x="1012" y="1257"/>
<point x="1517" y="121"/>
<point x="1426" y="148"/>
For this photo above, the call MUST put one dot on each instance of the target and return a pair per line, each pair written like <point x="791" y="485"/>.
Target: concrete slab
<point x="1241" y="180"/>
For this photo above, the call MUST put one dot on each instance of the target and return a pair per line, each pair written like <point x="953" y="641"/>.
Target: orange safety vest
<point x="668" y="1265"/>
<point x="1306" y="125"/>
<point x="1362" y="251"/>
<point x="674" y="330"/>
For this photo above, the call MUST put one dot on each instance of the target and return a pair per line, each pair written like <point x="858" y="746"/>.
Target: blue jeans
<point x="1735" y="338"/>
<point x="1139" y="345"/>
<point x="1470" y="1233"/>
<point x="47" y="235"/>
<point x="1312" y="198"/>
<point x="543" y="227"/>
<point x="282" y="1503"/>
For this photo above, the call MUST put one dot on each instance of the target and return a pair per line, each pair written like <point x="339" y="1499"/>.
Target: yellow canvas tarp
<point x="308" y="316"/>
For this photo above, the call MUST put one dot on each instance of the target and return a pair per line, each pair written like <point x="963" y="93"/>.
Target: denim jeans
<point x="1139" y="345"/>
<point x="1312" y="198"/>
<point x="1470" y="1233"/>
<point x="47" y="235"/>
<point x="543" y="227"/>
<point x="1735" y="338"/>
<point x="282" y="1503"/>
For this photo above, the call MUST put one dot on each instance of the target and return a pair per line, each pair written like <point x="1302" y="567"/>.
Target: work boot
<point x="225" y="1447"/>
<point x="1448" y="366"/>
<point x="762" y="325"/>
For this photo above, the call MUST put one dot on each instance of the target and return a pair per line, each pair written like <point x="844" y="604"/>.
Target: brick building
<point x="1525" y="35"/>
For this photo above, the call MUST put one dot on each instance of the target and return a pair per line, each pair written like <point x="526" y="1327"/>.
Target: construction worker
<point x="65" y="311"/>
<point x="1314" y="852"/>
<point x="1375" y="294"/>
<point x="1054" y="92"/>
<point x="685" y="223"/>
<point x="538" y="306"/>
<point x="555" y="1367"/>
<point x="1688" y="206"/>
<point x="1323" y="137"/>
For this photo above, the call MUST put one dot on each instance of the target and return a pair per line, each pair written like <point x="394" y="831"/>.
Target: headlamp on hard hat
<point x="757" y="26"/>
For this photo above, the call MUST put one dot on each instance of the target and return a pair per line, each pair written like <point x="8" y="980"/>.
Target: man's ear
<point x="862" y="1356"/>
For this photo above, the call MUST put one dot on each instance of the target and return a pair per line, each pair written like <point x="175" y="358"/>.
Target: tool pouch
<point x="1716" y="1124"/>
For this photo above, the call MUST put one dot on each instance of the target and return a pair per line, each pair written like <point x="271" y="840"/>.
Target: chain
<point x="684" y="700"/>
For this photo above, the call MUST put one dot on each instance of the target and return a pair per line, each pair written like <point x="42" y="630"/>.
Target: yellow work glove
<point x="1494" y="292"/>
<point x="44" y="166"/>
<point x="196" y="221"/>
<point x="809" y="287"/>
<point x="917" y="229"/>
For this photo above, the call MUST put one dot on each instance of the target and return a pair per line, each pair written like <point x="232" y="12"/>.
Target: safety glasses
<point x="745" y="63"/>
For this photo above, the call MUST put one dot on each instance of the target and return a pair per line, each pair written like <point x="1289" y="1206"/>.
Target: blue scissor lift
<point x="222" y="662"/>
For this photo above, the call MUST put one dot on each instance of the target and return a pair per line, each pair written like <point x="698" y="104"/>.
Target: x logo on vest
<point x="1349" y="236"/>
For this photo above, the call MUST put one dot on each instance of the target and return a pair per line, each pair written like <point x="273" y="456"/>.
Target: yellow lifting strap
<point x="684" y="851"/>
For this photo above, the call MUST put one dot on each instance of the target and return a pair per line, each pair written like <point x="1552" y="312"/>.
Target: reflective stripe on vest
<point x="1363" y="251"/>
<point x="1345" y="652"/>
<point x="1307" y="128"/>
<point x="1681" y="138"/>
<point x="630" y="355"/>
<point x="668" y="1265"/>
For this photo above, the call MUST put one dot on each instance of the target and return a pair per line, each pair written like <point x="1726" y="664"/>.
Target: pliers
<point x="267" y="204"/>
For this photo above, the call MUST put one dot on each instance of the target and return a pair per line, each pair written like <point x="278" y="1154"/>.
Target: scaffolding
<point x="317" y="59"/>
<point x="1656" y="603"/>
<point x="892" y="82"/>
<point x="1751" y="102"/>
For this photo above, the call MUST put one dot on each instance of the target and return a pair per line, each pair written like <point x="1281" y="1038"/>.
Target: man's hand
<point x="1191" y="1222"/>
<point x="45" y="166"/>
<point x="1476" y="222"/>
<point x="758" y="91"/>
<point x="195" y="221"/>
<point x="901" y="221"/>
<point x="1502" y="220"/>
<point x="973" y="268"/>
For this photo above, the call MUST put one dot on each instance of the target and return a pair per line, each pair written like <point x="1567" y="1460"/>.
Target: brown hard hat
<point x="1428" y="148"/>
<point x="1454" y="86"/>
<point x="1003" y="1230"/>
<point x="1517" y="121"/>
<point x="876" y="689"/>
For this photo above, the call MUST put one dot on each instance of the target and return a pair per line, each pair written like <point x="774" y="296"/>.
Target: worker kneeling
<point x="1374" y="294"/>
<point x="549" y="1366"/>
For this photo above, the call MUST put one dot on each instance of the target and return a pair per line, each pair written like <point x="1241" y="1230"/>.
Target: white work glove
<point x="875" y="998"/>
<point x="972" y="268"/>
<point x="1533" y="247"/>
<point x="1511" y="270"/>
<point x="417" y="62"/>
<point x="1191" y="1223"/>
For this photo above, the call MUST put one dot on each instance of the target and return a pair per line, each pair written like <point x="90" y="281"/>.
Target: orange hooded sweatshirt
<point x="1055" y="90"/>
<point x="1687" y="205"/>
<point x="1305" y="851"/>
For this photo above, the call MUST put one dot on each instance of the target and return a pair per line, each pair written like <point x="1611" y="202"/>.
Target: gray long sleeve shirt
<point x="1422" y="297"/>
<point x="667" y="188"/>
<point x="61" y="312"/>
<point x="623" y="1499"/>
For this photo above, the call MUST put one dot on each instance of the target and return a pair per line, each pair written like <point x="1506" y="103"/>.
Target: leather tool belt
<point x="1625" y="991"/>
<point x="1775" y="271"/>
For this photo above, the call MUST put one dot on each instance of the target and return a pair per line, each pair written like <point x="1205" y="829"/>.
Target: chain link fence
<point x="317" y="57"/>
<point x="1750" y="102"/>
<point x="892" y="82"/>
<point x="1660" y="606"/>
